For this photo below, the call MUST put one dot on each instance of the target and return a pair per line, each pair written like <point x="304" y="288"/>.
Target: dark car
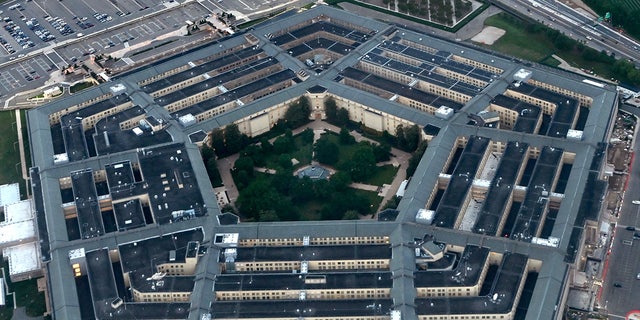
<point x="617" y="285"/>
<point x="636" y="236"/>
<point x="631" y="228"/>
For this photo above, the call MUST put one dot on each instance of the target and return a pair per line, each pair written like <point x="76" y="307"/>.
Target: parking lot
<point x="101" y="29"/>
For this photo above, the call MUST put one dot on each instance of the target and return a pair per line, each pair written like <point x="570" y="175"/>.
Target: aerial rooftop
<point x="142" y="232"/>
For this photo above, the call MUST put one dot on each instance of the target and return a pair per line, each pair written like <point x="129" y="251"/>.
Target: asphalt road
<point x="575" y="25"/>
<point x="624" y="260"/>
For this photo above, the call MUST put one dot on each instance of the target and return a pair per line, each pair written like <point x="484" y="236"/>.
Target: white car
<point x="635" y="201"/>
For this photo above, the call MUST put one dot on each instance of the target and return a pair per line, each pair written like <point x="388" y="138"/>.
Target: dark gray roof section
<point x="466" y="273"/>
<point x="300" y="309"/>
<point x="164" y="284"/>
<point x="220" y="79"/>
<point x="494" y="207"/>
<point x="392" y="88"/>
<point x="237" y="93"/>
<point x="460" y="183"/>
<point x="217" y="65"/>
<point x="153" y="311"/>
<point x="41" y="220"/>
<point x="101" y="282"/>
<point x="171" y="183"/>
<point x="566" y="112"/>
<point x="528" y="115"/>
<point x="119" y="175"/>
<point x="313" y="253"/>
<point x="197" y="136"/>
<point x="315" y="281"/>
<point x="73" y="132"/>
<point x="142" y="257"/>
<point x="530" y="216"/>
<point x="129" y="214"/>
<point x="110" y="138"/>
<point x="87" y="207"/>
<point x="500" y="300"/>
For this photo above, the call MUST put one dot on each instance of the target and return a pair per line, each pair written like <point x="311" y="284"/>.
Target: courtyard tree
<point x="307" y="135"/>
<point x="217" y="142"/>
<point x="331" y="109"/>
<point x="351" y="215"/>
<point x="234" y="139"/>
<point x="326" y="151"/>
<point x="362" y="163"/>
<point x="345" y="137"/>
<point x="298" y="113"/>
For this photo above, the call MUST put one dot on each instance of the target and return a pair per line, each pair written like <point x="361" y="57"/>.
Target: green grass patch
<point x="517" y="41"/>
<point x="9" y="153"/>
<point x="372" y="196"/>
<point x="550" y="61"/>
<point x="383" y="175"/>
<point x="80" y="86"/>
<point x="27" y="295"/>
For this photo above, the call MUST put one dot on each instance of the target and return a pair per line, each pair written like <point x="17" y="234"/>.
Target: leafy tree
<point x="345" y="137"/>
<point x="326" y="151"/>
<point x="298" y="113"/>
<point x="307" y="135"/>
<point x="266" y="146"/>
<point x="351" y="215"/>
<point x="283" y="144"/>
<point x="342" y="117"/>
<point x="284" y="161"/>
<point x="207" y="153"/>
<point x="340" y="181"/>
<point x="255" y="153"/>
<point x="234" y="139"/>
<point x="412" y="137"/>
<point x="257" y="197"/>
<point x="323" y="189"/>
<point x="381" y="152"/>
<point x="304" y="190"/>
<point x="416" y="156"/>
<point x="217" y="142"/>
<point x="284" y="182"/>
<point x="268" y="215"/>
<point x="362" y="164"/>
<point x="392" y="203"/>
<point x="212" y="171"/>
<point x="244" y="163"/>
<point x="331" y="109"/>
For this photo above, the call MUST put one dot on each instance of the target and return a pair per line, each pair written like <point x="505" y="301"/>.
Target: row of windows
<point x="585" y="101"/>
<point x="547" y="107"/>
<point x="56" y="116"/>
<point x="163" y="75"/>
<point x="309" y="294"/>
<point x="185" y="67"/>
<point x="314" y="241"/>
<point x="477" y="64"/>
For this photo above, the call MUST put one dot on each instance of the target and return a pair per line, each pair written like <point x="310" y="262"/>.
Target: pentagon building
<point x="489" y="226"/>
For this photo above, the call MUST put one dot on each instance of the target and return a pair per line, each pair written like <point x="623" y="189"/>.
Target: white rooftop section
<point x="226" y="239"/>
<point x="16" y="231"/>
<point x="470" y="215"/>
<point x="444" y="112"/>
<point x="19" y="211"/>
<point x="187" y="119"/>
<point x="118" y="88"/>
<point x="425" y="216"/>
<point x="76" y="253"/>
<point x="522" y="75"/>
<point x="9" y="193"/>
<point x="574" y="134"/>
<point x="22" y="258"/>
<point x="489" y="169"/>
<point x="551" y="242"/>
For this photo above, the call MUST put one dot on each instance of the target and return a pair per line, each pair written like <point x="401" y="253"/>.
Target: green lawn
<point x="80" y="86"/>
<point x="518" y="42"/>
<point x="9" y="153"/>
<point x="27" y="295"/>
<point x="373" y="197"/>
<point x="384" y="174"/>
